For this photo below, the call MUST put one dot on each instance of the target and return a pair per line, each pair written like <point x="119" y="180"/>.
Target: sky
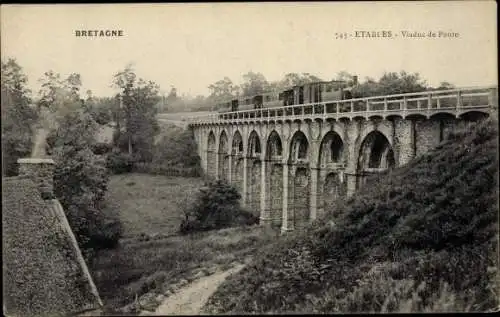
<point x="190" y="46"/>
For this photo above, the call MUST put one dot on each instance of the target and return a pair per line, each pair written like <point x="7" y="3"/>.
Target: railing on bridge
<point x="427" y="103"/>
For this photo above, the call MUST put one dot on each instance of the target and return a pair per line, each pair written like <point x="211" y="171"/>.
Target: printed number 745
<point x="341" y="36"/>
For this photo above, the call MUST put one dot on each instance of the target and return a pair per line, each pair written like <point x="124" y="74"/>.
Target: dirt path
<point x="190" y="299"/>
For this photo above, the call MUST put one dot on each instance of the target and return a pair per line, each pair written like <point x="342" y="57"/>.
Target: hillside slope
<point x="421" y="239"/>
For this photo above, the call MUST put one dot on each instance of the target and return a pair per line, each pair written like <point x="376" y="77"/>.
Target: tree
<point x="222" y="90"/>
<point x="58" y="94"/>
<point x="347" y="77"/>
<point x="296" y="79"/>
<point x="18" y="117"/>
<point x="390" y="83"/>
<point x="394" y="83"/>
<point x="177" y="147"/>
<point x="101" y="109"/>
<point x="254" y="84"/>
<point x="137" y="114"/>
<point x="81" y="177"/>
<point x="445" y="86"/>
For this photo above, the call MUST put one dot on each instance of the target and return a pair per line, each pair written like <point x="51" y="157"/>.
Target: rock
<point x="130" y="308"/>
<point x="182" y="283"/>
<point x="146" y="313"/>
<point x="148" y="302"/>
<point x="160" y="298"/>
<point x="200" y="274"/>
<point x="211" y="270"/>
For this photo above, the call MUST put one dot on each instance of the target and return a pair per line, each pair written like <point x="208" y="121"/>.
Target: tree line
<point x="70" y="124"/>
<point x="254" y="83"/>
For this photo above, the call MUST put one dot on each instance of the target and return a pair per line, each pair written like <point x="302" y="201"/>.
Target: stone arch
<point x="254" y="146"/>
<point x="376" y="152"/>
<point x="223" y="156"/>
<point x="237" y="144"/>
<point x="211" y="155"/>
<point x="299" y="148"/>
<point x="331" y="149"/>
<point x="274" y="147"/>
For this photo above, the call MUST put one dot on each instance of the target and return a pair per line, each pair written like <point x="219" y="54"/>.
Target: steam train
<point x="296" y="95"/>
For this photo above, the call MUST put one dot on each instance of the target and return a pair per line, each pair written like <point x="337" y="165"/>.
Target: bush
<point x="217" y="206"/>
<point x="101" y="148"/>
<point x="101" y="115"/>
<point x="118" y="162"/>
<point x="177" y="147"/>
<point x="80" y="184"/>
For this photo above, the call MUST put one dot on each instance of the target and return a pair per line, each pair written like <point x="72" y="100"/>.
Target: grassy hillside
<point x="422" y="239"/>
<point x="150" y="204"/>
<point x="145" y="269"/>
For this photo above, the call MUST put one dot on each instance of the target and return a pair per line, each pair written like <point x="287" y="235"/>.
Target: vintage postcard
<point x="249" y="157"/>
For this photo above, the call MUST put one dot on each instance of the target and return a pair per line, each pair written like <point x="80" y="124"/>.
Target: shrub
<point x="177" y="147"/>
<point x="101" y="148"/>
<point x="80" y="183"/>
<point x="101" y="115"/>
<point x="119" y="162"/>
<point x="216" y="206"/>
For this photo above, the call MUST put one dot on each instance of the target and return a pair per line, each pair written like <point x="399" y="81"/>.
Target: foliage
<point x="390" y="83"/>
<point x="101" y="109"/>
<point x="430" y="230"/>
<point x="217" y="206"/>
<point x="59" y="95"/>
<point x="18" y="117"/>
<point x="118" y="162"/>
<point x="294" y="79"/>
<point x="177" y="147"/>
<point x="137" y="115"/>
<point x="80" y="176"/>
<point x="80" y="183"/>
<point x="444" y="86"/>
<point x="101" y="148"/>
<point x="222" y="90"/>
<point x="254" y="84"/>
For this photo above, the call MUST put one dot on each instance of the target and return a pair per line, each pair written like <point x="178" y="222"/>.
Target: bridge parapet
<point x="428" y="103"/>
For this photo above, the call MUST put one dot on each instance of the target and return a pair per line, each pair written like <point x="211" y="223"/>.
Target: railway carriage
<point x="310" y="93"/>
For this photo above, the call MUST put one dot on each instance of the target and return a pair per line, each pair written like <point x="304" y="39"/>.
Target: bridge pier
<point x="245" y="177"/>
<point x="230" y="167"/>
<point x="313" y="200"/>
<point x="265" y="217"/>
<point x="287" y="222"/>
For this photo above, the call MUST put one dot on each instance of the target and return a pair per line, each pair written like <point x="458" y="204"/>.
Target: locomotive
<point x="302" y="94"/>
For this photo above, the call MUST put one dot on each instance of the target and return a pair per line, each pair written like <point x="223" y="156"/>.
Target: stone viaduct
<point x="292" y="163"/>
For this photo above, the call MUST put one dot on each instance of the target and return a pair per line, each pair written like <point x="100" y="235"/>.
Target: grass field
<point x="150" y="204"/>
<point x="151" y="258"/>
